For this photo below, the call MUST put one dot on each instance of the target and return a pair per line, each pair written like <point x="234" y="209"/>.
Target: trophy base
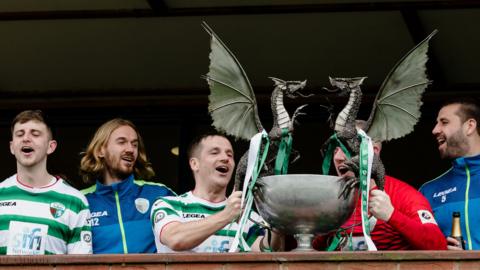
<point x="304" y="242"/>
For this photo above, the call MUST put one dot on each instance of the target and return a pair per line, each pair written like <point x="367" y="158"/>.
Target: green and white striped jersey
<point x="187" y="207"/>
<point x="48" y="220"/>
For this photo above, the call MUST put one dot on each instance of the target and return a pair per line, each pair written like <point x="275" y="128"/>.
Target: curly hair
<point x="92" y="166"/>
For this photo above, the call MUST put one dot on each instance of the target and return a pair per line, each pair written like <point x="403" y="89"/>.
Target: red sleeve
<point x="420" y="236"/>
<point x="413" y="218"/>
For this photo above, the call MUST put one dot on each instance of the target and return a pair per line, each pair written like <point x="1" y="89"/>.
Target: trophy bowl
<point x="303" y="205"/>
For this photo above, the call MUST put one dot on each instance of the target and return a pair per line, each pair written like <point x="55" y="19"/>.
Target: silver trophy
<point x="303" y="205"/>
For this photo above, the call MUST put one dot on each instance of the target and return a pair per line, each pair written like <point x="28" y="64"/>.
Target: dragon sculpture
<point x="395" y="111"/>
<point x="233" y="106"/>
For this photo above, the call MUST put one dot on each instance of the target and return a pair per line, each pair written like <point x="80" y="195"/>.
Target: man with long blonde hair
<point x="120" y="203"/>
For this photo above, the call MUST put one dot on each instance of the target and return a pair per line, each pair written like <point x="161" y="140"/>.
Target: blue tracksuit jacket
<point x="120" y="215"/>
<point x="457" y="190"/>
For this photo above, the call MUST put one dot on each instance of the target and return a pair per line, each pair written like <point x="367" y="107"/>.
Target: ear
<point x="194" y="164"/>
<point x="52" y="145"/>
<point x="101" y="152"/>
<point x="377" y="147"/>
<point x="471" y="126"/>
<point x="11" y="148"/>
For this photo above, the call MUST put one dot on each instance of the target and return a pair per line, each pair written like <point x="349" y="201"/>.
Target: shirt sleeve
<point x="80" y="241"/>
<point x="162" y="214"/>
<point x="413" y="218"/>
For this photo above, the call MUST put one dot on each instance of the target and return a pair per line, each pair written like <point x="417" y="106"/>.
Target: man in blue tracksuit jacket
<point x="458" y="190"/>
<point x="120" y="205"/>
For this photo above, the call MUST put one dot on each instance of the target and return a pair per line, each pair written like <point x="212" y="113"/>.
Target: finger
<point x="375" y="192"/>
<point x="449" y="247"/>
<point x="236" y="194"/>
<point x="235" y="201"/>
<point x="453" y="241"/>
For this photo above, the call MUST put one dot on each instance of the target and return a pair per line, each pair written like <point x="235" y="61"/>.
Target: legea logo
<point x="443" y="194"/>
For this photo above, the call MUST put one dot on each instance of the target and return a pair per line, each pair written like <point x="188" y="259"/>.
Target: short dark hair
<point x="195" y="143"/>
<point x="32" y="115"/>
<point x="469" y="109"/>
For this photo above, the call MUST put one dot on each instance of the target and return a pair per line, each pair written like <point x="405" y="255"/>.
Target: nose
<point x="339" y="155"/>
<point x="26" y="137"/>
<point x="227" y="158"/>
<point x="436" y="129"/>
<point x="130" y="148"/>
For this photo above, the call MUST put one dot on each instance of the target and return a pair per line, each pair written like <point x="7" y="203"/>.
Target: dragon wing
<point x="396" y="108"/>
<point x="232" y="102"/>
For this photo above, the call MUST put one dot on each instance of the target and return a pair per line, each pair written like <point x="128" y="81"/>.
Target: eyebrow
<point x="442" y="118"/>
<point x="24" y="131"/>
<point x="123" y="138"/>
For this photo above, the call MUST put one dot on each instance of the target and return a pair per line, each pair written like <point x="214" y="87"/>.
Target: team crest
<point x="426" y="217"/>
<point x="142" y="205"/>
<point x="57" y="209"/>
<point x="159" y="216"/>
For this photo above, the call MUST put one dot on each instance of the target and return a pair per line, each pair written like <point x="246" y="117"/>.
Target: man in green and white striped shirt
<point x="205" y="220"/>
<point x="39" y="213"/>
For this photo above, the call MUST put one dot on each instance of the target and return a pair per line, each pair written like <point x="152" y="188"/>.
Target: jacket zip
<point x="120" y="223"/>
<point x="467" y="225"/>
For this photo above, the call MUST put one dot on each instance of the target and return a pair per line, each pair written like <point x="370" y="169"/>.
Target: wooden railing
<point x="393" y="260"/>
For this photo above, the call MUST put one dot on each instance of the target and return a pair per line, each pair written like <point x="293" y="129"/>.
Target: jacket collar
<point x="121" y="187"/>
<point x="472" y="162"/>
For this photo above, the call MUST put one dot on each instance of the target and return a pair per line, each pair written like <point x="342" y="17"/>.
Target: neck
<point x="33" y="176"/>
<point x="474" y="148"/>
<point x="210" y="194"/>
<point x="109" y="179"/>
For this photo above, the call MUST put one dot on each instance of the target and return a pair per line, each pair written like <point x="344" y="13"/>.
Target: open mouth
<point x="27" y="149"/>
<point x="343" y="170"/>
<point x="128" y="158"/>
<point x="441" y="140"/>
<point x="222" y="168"/>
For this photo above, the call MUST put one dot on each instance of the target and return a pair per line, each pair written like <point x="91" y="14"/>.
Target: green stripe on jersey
<point x="193" y="207"/>
<point x="229" y="233"/>
<point x="76" y="233"/>
<point x="14" y="193"/>
<point x="3" y="251"/>
<point x="168" y="211"/>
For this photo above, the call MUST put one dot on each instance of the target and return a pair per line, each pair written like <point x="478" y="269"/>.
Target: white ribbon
<point x="255" y="143"/>
<point x="366" y="233"/>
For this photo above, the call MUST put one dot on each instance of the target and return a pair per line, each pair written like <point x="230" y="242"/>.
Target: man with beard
<point x="120" y="203"/>
<point x="40" y="213"/>
<point x="458" y="190"/>
<point x="205" y="220"/>
<point x="400" y="217"/>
